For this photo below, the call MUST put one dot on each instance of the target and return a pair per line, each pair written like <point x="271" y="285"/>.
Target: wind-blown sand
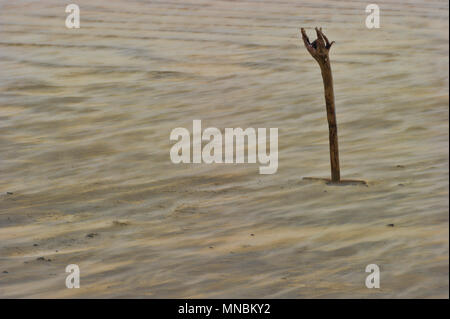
<point x="85" y="119"/>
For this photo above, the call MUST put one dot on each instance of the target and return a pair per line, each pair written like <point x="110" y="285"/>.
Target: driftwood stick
<point x="319" y="50"/>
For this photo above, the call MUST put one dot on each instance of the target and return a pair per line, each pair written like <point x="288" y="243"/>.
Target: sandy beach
<point x="86" y="176"/>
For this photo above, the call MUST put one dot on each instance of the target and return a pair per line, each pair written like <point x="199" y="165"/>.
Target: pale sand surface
<point x="85" y="119"/>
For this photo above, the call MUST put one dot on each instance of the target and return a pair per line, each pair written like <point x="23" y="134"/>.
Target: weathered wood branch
<point x="319" y="50"/>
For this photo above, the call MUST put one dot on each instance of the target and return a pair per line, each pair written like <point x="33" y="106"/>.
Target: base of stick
<point x="343" y="182"/>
